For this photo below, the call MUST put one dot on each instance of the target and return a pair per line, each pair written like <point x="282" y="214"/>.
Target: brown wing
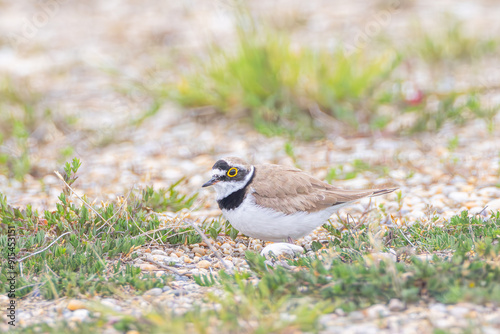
<point x="290" y="190"/>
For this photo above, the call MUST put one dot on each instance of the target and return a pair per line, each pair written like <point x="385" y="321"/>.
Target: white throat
<point x="224" y="189"/>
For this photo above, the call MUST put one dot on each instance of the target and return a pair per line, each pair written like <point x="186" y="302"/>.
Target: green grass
<point x="343" y="275"/>
<point x="300" y="92"/>
<point x="357" y="167"/>
<point x="274" y="85"/>
<point x="93" y="255"/>
<point x="452" y="107"/>
<point x="450" y="41"/>
<point x="19" y="116"/>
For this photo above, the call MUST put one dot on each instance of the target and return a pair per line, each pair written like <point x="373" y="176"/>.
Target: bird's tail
<point x="379" y="192"/>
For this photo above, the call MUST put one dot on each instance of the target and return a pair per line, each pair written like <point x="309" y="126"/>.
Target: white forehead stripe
<point x="237" y="166"/>
<point x="218" y="172"/>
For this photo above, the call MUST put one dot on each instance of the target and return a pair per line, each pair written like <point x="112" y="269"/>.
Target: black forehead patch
<point x="221" y="164"/>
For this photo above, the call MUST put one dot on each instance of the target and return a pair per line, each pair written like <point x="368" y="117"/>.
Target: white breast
<point x="267" y="224"/>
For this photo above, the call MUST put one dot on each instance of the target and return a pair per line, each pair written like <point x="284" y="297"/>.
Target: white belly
<point x="266" y="224"/>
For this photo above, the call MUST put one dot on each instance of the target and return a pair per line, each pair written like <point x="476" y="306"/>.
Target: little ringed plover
<point x="277" y="203"/>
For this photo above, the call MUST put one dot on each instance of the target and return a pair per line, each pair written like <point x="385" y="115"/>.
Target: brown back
<point x="290" y="190"/>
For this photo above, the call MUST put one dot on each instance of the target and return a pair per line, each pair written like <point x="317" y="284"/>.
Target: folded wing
<point x="290" y="190"/>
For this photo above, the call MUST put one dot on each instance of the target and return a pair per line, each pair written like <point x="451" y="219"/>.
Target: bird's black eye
<point x="232" y="172"/>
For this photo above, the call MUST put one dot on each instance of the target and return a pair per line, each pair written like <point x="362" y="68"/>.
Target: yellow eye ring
<point x="232" y="172"/>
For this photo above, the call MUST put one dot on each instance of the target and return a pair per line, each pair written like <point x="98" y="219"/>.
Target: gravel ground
<point x="68" y="71"/>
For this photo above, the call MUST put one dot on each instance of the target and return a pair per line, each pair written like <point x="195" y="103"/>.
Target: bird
<point x="275" y="202"/>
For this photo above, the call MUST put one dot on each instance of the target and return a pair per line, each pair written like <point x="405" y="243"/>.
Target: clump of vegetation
<point x="450" y="42"/>
<point x="18" y="118"/>
<point x="297" y="91"/>
<point x="24" y="124"/>
<point x="275" y="298"/>
<point x="276" y="86"/>
<point x="357" y="166"/>
<point x="166" y="199"/>
<point x="92" y="241"/>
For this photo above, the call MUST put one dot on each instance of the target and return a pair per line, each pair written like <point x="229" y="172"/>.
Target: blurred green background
<point x="77" y="77"/>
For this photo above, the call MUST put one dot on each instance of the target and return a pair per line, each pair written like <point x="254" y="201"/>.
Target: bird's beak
<point x="210" y="182"/>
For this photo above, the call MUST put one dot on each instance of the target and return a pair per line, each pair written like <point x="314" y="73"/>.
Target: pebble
<point x="459" y="196"/>
<point x="204" y="264"/>
<point x="478" y="209"/>
<point x="438" y="307"/>
<point x="159" y="252"/>
<point x="148" y="267"/>
<point x="78" y="315"/>
<point x="281" y="249"/>
<point x="154" y="292"/>
<point x="424" y="257"/>
<point x="199" y="250"/>
<point x="458" y="311"/>
<point x="356" y="316"/>
<point x="4" y="300"/>
<point x="493" y="206"/>
<point x="396" y="305"/>
<point x="377" y="311"/>
<point x="75" y="304"/>
<point x="111" y="303"/>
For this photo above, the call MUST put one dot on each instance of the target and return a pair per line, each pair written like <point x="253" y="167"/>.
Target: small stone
<point x="75" y="304"/>
<point x="340" y="312"/>
<point x="111" y="303"/>
<point x="459" y="196"/>
<point x="160" y="258"/>
<point x="159" y="273"/>
<point x="228" y="264"/>
<point x="153" y="292"/>
<point x="204" y="264"/>
<point x="493" y="206"/>
<point x="79" y="315"/>
<point x="282" y="249"/>
<point x="396" y="305"/>
<point x="327" y="319"/>
<point x="489" y="191"/>
<point x="424" y="257"/>
<point x="458" y="311"/>
<point x="470" y="205"/>
<point x="492" y="319"/>
<point x="448" y="190"/>
<point x="4" y="299"/>
<point x="438" y="307"/>
<point x="356" y="316"/>
<point x="478" y="210"/>
<point x="159" y="252"/>
<point x="377" y="311"/>
<point x="179" y="292"/>
<point x="199" y="250"/>
<point x="443" y="323"/>
<point x="147" y="266"/>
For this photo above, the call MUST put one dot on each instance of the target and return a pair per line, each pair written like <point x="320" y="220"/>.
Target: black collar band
<point x="233" y="200"/>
